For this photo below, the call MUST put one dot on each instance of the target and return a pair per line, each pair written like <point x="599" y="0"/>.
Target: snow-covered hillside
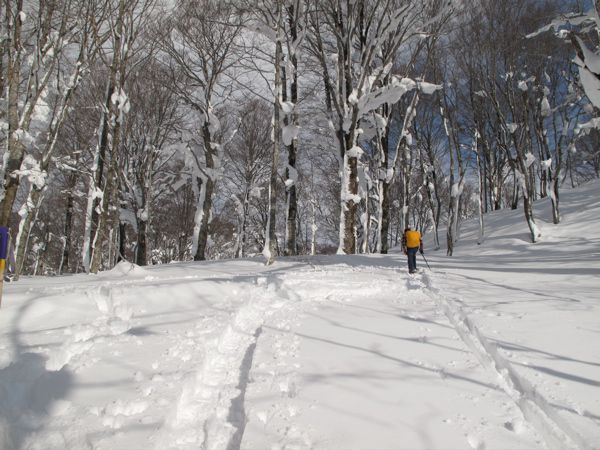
<point x="496" y="347"/>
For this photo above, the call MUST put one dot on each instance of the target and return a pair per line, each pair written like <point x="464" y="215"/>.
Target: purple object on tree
<point x="3" y="242"/>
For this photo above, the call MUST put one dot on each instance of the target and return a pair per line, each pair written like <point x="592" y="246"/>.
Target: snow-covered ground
<point x="496" y="347"/>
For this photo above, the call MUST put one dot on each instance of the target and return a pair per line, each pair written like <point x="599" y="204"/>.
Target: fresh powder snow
<point x="496" y="347"/>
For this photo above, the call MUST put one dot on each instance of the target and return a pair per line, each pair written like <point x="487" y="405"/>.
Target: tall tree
<point x="199" y="42"/>
<point x="42" y="28"/>
<point x="147" y="151"/>
<point x="247" y="167"/>
<point x="294" y="29"/>
<point x="128" y="22"/>
<point x="354" y="33"/>
<point x="85" y="16"/>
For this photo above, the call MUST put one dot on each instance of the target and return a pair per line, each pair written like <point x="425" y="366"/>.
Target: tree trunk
<point x="270" y="247"/>
<point x="528" y="210"/>
<point x="555" y="202"/>
<point x="243" y="238"/>
<point x="452" y="206"/>
<point x="384" y="180"/>
<point x="313" y="227"/>
<point x="349" y="206"/>
<point x="481" y="178"/>
<point x="291" y="247"/>
<point x="141" y="256"/>
<point x="198" y="216"/>
<point x="435" y="202"/>
<point x="207" y="195"/>
<point x="97" y="210"/>
<point x="15" y="148"/>
<point x="205" y="221"/>
<point x="406" y="165"/>
<point x="108" y="198"/>
<point x="555" y="187"/>
<point x="365" y="216"/>
<point x="30" y="209"/>
<point x="515" y="193"/>
<point x="103" y="222"/>
<point x="384" y="216"/>
<point x="67" y="232"/>
<point x="97" y="179"/>
<point x="122" y="242"/>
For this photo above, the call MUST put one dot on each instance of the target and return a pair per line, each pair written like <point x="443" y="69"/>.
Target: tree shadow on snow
<point x="413" y="339"/>
<point x="402" y="362"/>
<point x="552" y="356"/>
<point x="544" y="295"/>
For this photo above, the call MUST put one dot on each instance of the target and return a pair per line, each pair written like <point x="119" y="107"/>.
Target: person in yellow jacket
<point x="411" y="243"/>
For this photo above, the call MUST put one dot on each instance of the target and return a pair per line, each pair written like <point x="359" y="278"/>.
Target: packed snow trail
<point x="374" y="352"/>
<point x="210" y="411"/>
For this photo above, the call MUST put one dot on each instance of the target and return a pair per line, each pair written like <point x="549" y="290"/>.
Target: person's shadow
<point x="27" y="391"/>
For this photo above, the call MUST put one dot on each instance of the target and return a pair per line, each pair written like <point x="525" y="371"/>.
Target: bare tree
<point x="45" y="28"/>
<point x="354" y="33"/>
<point x="127" y="23"/>
<point x="147" y="139"/>
<point x="294" y="30"/>
<point x="200" y="51"/>
<point x="79" y="37"/>
<point x="267" y="21"/>
<point x="247" y="167"/>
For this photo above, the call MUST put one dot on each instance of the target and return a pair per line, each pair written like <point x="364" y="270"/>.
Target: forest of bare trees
<point x="156" y="131"/>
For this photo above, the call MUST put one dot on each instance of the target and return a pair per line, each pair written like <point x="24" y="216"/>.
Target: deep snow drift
<point x="496" y="347"/>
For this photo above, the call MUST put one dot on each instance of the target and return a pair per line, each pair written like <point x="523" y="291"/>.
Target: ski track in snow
<point x="206" y="414"/>
<point x="539" y="413"/>
<point x="211" y="411"/>
<point x="279" y="418"/>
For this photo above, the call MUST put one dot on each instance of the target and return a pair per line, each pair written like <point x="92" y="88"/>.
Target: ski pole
<point x="425" y="260"/>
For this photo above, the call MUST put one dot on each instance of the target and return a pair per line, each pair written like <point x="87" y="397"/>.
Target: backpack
<point x="413" y="239"/>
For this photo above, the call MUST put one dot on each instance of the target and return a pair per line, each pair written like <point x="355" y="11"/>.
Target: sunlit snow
<point x="496" y="347"/>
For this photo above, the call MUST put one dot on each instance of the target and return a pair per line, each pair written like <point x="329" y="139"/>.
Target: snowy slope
<point x="496" y="347"/>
